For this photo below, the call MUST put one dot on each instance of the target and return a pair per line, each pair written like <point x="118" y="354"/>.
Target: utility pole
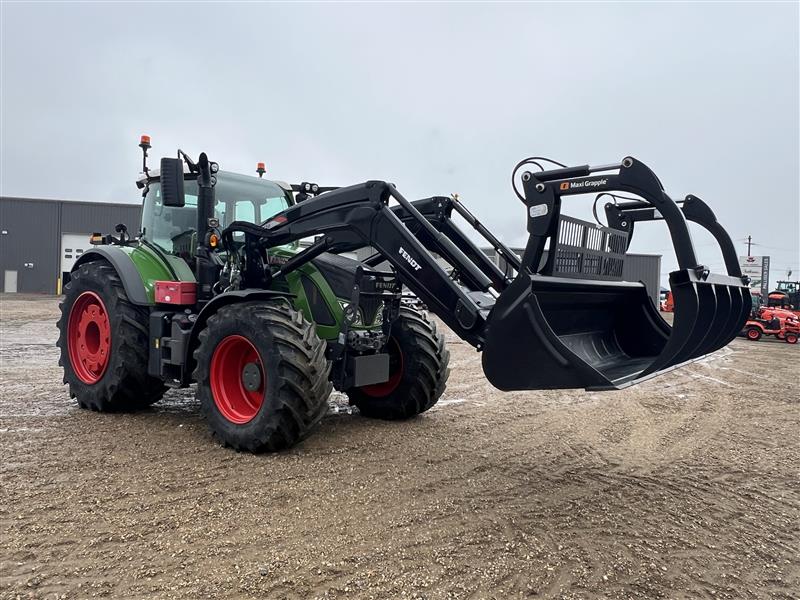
<point x="749" y="241"/>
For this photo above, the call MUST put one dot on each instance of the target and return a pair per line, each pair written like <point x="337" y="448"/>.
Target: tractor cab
<point x="173" y="229"/>
<point x="786" y="295"/>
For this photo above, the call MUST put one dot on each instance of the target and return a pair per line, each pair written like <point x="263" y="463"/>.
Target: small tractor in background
<point x="668" y="305"/>
<point x="783" y="324"/>
<point x="215" y="290"/>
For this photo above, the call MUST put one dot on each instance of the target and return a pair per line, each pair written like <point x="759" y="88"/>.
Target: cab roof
<point x="155" y="174"/>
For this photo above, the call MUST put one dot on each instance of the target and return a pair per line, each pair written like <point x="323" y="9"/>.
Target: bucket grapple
<point x="594" y="330"/>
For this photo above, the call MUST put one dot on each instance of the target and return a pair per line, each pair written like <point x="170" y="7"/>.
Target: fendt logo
<point x="410" y="260"/>
<point x="565" y="185"/>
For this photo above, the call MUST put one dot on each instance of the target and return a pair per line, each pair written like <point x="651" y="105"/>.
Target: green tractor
<point x="786" y="295"/>
<point x="217" y="290"/>
<point x="264" y="362"/>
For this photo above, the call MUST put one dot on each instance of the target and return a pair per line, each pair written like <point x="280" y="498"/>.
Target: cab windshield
<point x="238" y="198"/>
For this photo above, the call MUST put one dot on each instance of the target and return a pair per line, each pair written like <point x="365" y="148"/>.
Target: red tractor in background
<point x="668" y="304"/>
<point x="783" y="324"/>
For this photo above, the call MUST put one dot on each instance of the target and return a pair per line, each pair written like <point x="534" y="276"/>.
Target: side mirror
<point x="172" y="182"/>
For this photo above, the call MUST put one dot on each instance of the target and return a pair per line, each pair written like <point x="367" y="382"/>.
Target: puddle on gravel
<point x="176" y="401"/>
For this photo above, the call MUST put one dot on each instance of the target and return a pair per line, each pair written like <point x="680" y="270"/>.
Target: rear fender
<point x="125" y="267"/>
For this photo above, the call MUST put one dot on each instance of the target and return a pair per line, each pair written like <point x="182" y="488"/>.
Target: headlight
<point x="352" y="313"/>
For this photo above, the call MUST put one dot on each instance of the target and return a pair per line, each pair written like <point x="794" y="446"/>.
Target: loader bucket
<point x="569" y="321"/>
<point x="551" y="332"/>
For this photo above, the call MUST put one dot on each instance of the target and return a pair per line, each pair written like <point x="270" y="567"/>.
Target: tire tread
<point x="303" y="387"/>
<point x="125" y="386"/>
<point x="428" y="380"/>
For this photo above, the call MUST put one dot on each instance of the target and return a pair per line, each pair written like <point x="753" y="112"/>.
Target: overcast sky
<point x="435" y="98"/>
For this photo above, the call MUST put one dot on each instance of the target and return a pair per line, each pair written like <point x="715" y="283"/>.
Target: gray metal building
<point x="40" y="239"/>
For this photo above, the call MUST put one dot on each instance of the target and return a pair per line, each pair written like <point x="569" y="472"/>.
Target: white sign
<point x="757" y="269"/>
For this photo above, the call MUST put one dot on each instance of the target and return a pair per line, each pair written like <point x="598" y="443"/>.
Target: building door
<point x="10" y="282"/>
<point x="72" y="246"/>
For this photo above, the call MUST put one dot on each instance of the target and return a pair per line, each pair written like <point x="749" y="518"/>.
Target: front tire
<point x="104" y="343"/>
<point x="418" y="363"/>
<point x="753" y="333"/>
<point x="791" y="338"/>
<point x="262" y="376"/>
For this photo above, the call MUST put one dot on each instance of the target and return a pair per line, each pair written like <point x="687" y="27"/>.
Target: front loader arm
<point x="359" y="216"/>
<point x="438" y="212"/>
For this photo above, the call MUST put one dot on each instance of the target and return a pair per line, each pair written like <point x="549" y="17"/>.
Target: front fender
<point x="212" y="307"/>
<point x="125" y="267"/>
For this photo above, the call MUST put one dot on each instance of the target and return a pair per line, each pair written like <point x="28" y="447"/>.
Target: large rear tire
<point x="104" y="343"/>
<point x="262" y="376"/>
<point x="418" y="362"/>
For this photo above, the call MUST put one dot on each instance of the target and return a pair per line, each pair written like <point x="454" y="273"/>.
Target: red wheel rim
<point x="236" y="403"/>
<point x="791" y="338"/>
<point x="752" y="334"/>
<point x="88" y="337"/>
<point x="378" y="390"/>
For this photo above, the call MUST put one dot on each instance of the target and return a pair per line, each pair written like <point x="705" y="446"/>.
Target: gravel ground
<point x="685" y="486"/>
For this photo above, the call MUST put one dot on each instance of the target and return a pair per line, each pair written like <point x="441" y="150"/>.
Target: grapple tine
<point x="739" y="303"/>
<point x="745" y="308"/>
<point x="685" y="317"/>
<point x="703" y="326"/>
<point x="724" y="319"/>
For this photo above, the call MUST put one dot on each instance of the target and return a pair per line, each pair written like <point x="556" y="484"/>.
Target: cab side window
<point x="245" y="210"/>
<point x="272" y="207"/>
